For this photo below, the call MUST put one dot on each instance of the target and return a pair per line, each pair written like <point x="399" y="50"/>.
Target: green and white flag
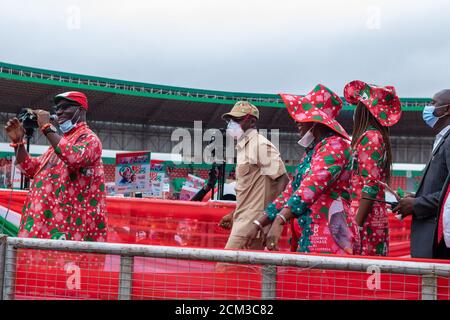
<point x="9" y="222"/>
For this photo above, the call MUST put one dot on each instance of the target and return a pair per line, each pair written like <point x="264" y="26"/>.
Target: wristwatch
<point x="48" y="129"/>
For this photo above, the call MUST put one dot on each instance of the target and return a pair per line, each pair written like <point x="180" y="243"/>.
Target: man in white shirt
<point x="439" y="136"/>
<point x="423" y="206"/>
<point x="446" y="220"/>
<point x="442" y="246"/>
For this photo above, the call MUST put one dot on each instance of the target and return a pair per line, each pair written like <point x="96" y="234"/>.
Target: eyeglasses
<point x="63" y="107"/>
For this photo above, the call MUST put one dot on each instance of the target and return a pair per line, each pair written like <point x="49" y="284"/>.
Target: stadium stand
<point x="155" y="111"/>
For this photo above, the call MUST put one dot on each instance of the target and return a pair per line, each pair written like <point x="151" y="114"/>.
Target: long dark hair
<point x="364" y="119"/>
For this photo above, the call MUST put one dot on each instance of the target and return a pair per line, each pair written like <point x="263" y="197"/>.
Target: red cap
<point x="74" y="96"/>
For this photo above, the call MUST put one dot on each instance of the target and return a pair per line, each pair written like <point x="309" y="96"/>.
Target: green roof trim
<point x="127" y="92"/>
<point x="73" y="80"/>
<point x="133" y="83"/>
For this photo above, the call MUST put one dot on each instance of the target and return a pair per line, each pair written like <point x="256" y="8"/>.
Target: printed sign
<point x="132" y="172"/>
<point x="191" y="186"/>
<point x="157" y="179"/>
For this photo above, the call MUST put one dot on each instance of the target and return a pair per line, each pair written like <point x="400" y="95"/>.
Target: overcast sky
<point x="260" y="46"/>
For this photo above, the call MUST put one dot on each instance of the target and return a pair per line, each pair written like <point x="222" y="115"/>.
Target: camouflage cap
<point x="241" y="109"/>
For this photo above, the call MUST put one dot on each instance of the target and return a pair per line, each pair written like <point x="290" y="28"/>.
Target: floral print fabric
<point x="369" y="160"/>
<point x="67" y="194"/>
<point x="322" y="182"/>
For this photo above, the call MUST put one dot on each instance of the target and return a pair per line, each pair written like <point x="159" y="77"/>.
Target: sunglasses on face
<point x="63" y="107"/>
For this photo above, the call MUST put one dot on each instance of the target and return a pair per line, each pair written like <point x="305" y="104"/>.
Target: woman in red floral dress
<point x="377" y="108"/>
<point x="318" y="198"/>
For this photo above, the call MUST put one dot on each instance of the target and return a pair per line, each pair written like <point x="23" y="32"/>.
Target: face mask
<point x="234" y="130"/>
<point x="307" y="138"/>
<point x="429" y="117"/>
<point x="69" y="125"/>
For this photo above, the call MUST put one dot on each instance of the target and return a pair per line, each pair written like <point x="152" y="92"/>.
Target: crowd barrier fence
<point x="56" y="269"/>
<point x="186" y="223"/>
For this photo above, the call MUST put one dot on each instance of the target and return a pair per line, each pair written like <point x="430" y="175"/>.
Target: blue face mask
<point x="429" y="117"/>
<point x="68" y="125"/>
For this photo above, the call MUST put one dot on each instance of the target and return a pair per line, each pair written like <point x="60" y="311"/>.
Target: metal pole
<point x="221" y="178"/>
<point x="28" y="135"/>
<point x="269" y="283"/>
<point x="10" y="272"/>
<point x="429" y="287"/>
<point x="125" y="277"/>
<point x="2" y="263"/>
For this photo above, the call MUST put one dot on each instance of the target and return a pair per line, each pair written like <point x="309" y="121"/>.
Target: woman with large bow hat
<point x="377" y="109"/>
<point x="318" y="198"/>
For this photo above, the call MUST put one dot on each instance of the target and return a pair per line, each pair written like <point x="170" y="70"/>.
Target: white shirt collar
<point x="439" y="136"/>
<point x="443" y="132"/>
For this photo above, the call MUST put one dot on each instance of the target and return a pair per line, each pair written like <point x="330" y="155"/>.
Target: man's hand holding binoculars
<point x="43" y="117"/>
<point x="15" y="130"/>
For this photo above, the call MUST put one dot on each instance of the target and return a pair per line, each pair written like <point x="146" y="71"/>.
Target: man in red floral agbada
<point x="66" y="199"/>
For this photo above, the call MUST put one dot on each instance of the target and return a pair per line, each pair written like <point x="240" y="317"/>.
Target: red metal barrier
<point x="47" y="275"/>
<point x="185" y="223"/>
<point x="51" y="274"/>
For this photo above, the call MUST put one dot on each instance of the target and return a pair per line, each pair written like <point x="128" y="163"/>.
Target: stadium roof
<point x="141" y="103"/>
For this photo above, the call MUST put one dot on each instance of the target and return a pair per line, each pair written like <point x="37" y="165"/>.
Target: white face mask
<point x="234" y="130"/>
<point x="68" y="125"/>
<point x="307" y="138"/>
